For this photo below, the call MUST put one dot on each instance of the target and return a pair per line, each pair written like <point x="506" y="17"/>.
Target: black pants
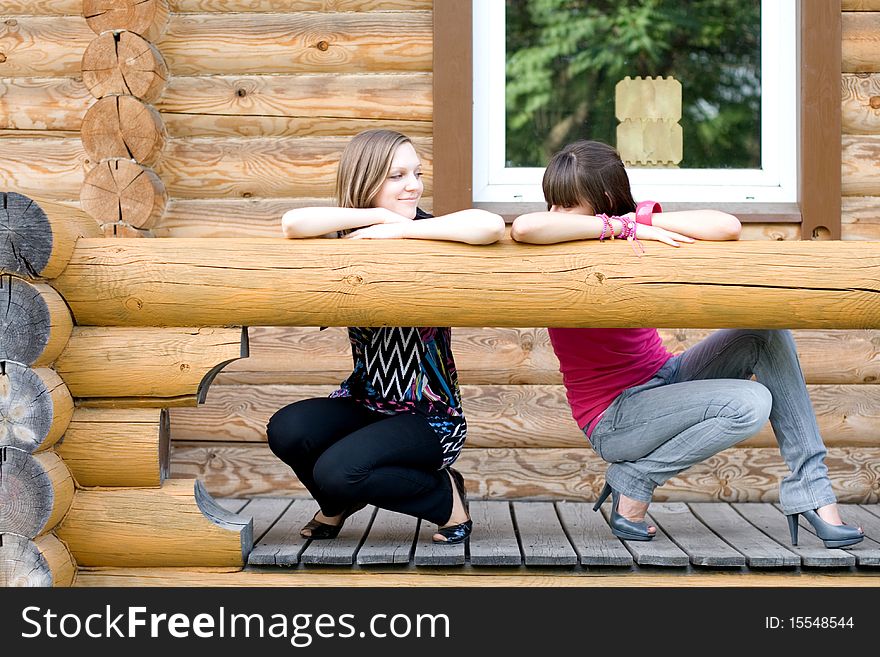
<point x="345" y="454"/>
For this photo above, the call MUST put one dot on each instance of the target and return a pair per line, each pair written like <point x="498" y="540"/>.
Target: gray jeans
<point x="701" y="402"/>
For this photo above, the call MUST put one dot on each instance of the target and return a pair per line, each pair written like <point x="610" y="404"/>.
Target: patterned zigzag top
<point x="406" y="370"/>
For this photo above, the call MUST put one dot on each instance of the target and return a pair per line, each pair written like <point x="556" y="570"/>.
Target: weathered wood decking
<point x="566" y="535"/>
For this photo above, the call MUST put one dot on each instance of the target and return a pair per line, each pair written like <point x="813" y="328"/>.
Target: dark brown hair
<point x="588" y="173"/>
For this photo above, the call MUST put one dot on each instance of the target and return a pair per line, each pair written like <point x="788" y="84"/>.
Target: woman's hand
<point x="645" y="232"/>
<point x="383" y="231"/>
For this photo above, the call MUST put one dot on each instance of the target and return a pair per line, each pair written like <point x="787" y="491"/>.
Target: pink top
<point x="598" y="364"/>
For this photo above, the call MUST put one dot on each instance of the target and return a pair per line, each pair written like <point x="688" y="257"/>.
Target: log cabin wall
<point x="258" y="102"/>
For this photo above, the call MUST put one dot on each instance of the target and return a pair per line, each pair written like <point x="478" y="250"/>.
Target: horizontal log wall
<point x="74" y="7"/>
<point x="215" y="94"/>
<point x="519" y="421"/>
<point x="227" y="109"/>
<point x="521" y="416"/>
<point x="740" y="475"/>
<point x="173" y="282"/>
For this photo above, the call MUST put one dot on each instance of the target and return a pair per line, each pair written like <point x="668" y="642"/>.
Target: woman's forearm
<point x="317" y="221"/>
<point x="553" y="227"/>
<point x="469" y="226"/>
<point x="700" y="224"/>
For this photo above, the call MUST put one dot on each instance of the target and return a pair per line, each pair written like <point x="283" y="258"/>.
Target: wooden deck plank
<point x="866" y="553"/>
<point x="341" y="550"/>
<point x="659" y="551"/>
<point x="493" y="541"/>
<point x="473" y="577"/>
<point x="429" y="553"/>
<point x="265" y="511"/>
<point x="760" y="550"/>
<point x="543" y="540"/>
<point x="390" y="540"/>
<point x="282" y="544"/>
<point x="591" y="537"/>
<point x="871" y="508"/>
<point x="700" y="543"/>
<point x="233" y="504"/>
<point x="811" y="550"/>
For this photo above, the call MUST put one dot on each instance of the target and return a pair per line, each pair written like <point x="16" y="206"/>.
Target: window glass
<point x="564" y="59"/>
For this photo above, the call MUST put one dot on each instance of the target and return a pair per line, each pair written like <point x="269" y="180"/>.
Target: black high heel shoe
<point x="834" y="536"/>
<point x="628" y="530"/>
<point x="457" y="533"/>
<point x="321" y="530"/>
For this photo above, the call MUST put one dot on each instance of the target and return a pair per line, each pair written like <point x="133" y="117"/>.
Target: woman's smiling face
<point x="403" y="185"/>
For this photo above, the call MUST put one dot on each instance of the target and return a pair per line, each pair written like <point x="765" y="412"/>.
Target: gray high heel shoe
<point x="834" y="536"/>
<point x="628" y="530"/>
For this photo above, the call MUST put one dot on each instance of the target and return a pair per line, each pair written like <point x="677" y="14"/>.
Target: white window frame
<point x="774" y="182"/>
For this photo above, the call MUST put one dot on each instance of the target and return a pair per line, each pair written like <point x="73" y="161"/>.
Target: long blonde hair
<point x="364" y="165"/>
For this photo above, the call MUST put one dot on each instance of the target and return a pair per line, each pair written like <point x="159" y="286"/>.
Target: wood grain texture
<point x="776" y="232"/>
<point x="861" y="165"/>
<point x="591" y="537"/>
<point x="37" y="490"/>
<point x="541" y="535"/>
<point x="43" y="104"/>
<point x="861" y="36"/>
<point x="120" y="191"/>
<point x="43" y="46"/>
<point x="743" y="474"/>
<point x="759" y="549"/>
<point x="272" y="106"/>
<point x="860" y="109"/>
<point x="74" y="7"/>
<point x="204" y="6"/>
<point x="861" y="218"/>
<point x="51" y="169"/>
<point x="252" y="126"/>
<point x="44" y="561"/>
<point x="391" y="539"/>
<point x="358" y="283"/>
<point x="125" y="127"/>
<point x="482" y="578"/>
<point x="146" y="362"/>
<point x="147" y="527"/>
<point x="860" y="5"/>
<point x="147" y="18"/>
<point x="499" y="356"/>
<point x="810" y="549"/>
<point x="35" y="323"/>
<point x="38" y="235"/>
<point x="428" y="553"/>
<point x="703" y="547"/>
<point x="35" y="407"/>
<point x="493" y="541"/>
<point x="508" y="415"/>
<point x="117" y="63"/>
<point x="117" y="447"/>
<point x="341" y="550"/>
<point x="55" y="168"/>
<point x="328" y="96"/>
<point x="659" y="551"/>
<point x="282" y="544"/>
<point x="253" y="217"/>
<point x="206" y="44"/>
<point x="267" y="167"/>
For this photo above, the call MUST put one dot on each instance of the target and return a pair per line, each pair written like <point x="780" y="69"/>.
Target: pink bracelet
<point x="645" y="210"/>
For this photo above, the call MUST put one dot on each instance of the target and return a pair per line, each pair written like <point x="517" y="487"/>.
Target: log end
<point x="25" y="234"/>
<point x="225" y="519"/>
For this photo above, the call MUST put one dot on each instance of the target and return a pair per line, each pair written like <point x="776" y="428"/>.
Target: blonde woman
<point x="389" y="435"/>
